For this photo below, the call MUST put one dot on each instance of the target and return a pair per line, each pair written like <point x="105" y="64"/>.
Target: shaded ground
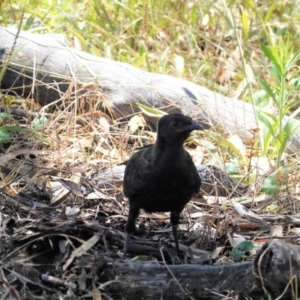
<point x="62" y="223"/>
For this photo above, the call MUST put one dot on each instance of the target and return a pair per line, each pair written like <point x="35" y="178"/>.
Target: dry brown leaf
<point x="277" y="230"/>
<point x="82" y="249"/>
<point x="96" y="294"/>
<point x="62" y="193"/>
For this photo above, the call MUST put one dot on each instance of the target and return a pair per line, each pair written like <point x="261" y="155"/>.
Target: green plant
<point x="241" y="249"/>
<point x="270" y="186"/>
<point x="279" y="93"/>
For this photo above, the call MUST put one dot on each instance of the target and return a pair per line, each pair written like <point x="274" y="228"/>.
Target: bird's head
<point x="176" y="128"/>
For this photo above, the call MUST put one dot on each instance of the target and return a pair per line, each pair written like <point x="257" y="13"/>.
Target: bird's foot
<point x="176" y="260"/>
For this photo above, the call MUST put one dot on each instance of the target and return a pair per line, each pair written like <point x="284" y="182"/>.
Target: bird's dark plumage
<point x="162" y="177"/>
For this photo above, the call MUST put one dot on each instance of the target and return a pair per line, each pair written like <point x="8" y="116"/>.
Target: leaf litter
<point x="63" y="213"/>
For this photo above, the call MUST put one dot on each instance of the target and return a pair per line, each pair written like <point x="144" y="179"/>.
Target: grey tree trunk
<point x="42" y="66"/>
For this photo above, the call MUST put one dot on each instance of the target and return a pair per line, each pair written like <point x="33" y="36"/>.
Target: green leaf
<point x="273" y="56"/>
<point x="292" y="59"/>
<point x="4" y="136"/>
<point x="141" y="258"/>
<point x="21" y="129"/>
<point x="249" y="4"/>
<point x="276" y="73"/>
<point x="270" y="186"/>
<point x="294" y="84"/>
<point x="266" y="87"/>
<point x="290" y="127"/>
<point x="39" y="123"/>
<point x="241" y="249"/>
<point x="4" y="116"/>
<point x="8" y="61"/>
<point x="262" y="118"/>
<point x="267" y="141"/>
<point x="260" y="98"/>
<point x="270" y="13"/>
<point x="150" y="111"/>
<point x="286" y="134"/>
<point x="245" y="25"/>
<point x="232" y="167"/>
<point x="220" y="140"/>
<point x="273" y="208"/>
<point x="272" y="117"/>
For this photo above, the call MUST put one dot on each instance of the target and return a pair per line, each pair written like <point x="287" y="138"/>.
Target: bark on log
<point x="43" y="67"/>
<point x="275" y="268"/>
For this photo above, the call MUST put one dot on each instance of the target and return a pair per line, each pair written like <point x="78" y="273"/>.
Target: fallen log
<point x="43" y="67"/>
<point x="274" y="273"/>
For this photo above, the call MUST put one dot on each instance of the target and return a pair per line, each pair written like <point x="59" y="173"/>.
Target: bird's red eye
<point x="174" y="124"/>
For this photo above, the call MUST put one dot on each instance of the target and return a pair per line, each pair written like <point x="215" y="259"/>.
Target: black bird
<point x="162" y="177"/>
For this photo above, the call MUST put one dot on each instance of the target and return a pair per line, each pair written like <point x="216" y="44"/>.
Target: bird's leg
<point x="126" y="244"/>
<point x="130" y="227"/>
<point x="175" y="221"/>
<point x="174" y="227"/>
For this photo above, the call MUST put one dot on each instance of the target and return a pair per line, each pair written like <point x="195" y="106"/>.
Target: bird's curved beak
<point x="193" y="126"/>
<point x="197" y="126"/>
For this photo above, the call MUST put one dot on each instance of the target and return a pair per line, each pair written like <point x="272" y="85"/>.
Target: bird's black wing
<point x="135" y="172"/>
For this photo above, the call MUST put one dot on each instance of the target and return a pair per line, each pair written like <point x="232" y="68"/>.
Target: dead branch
<point x="275" y="271"/>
